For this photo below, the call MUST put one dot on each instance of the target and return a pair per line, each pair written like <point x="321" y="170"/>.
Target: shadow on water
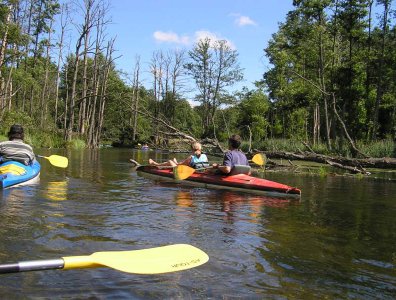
<point x="338" y="241"/>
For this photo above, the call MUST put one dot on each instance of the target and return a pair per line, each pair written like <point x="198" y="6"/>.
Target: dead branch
<point x="359" y="164"/>
<point x="176" y="132"/>
<point x="354" y="170"/>
<point x="213" y="142"/>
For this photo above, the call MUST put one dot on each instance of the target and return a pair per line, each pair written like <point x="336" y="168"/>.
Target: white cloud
<point x="171" y="37"/>
<point x="203" y="34"/>
<point x="243" y="20"/>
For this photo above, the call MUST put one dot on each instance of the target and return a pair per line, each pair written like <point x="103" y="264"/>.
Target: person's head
<point x="16" y="132"/>
<point x="196" y="147"/>
<point x="234" y="141"/>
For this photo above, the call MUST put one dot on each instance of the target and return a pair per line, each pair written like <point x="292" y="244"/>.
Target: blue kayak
<point x="14" y="173"/>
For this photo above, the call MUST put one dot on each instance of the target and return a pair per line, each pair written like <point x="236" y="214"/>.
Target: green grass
<point x="76" y="144"/>
<point x="322" y="171"/>
<point x="41" y="140"/>
<point x="45" y="140"/>
<point x="383" y="148"/>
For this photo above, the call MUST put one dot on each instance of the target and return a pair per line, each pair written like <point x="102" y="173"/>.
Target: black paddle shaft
<point x="33" y="265"/>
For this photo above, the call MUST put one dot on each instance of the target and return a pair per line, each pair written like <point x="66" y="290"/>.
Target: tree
<point x="381" y="59"/>
<point x="135" y="98"/>
<point x="253" y="114"/>
<point x="350" y="73"/>
<point x="214" y="67"/>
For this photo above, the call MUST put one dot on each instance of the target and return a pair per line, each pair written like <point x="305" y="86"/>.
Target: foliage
<point x="324" y="48"/>
<point x="383" y="148"/>
<point x="186" y="118"/>
<point x="379" y="148"/>
<point x="279" y="145"/>
<point x="41" y="139"/>
<point x="327" y="47"/>
<point x="76" y="144"/>
<point x="322" y="171"/>
<point x="253" y="109"/>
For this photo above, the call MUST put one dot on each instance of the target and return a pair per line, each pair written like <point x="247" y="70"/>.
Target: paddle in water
<point x="182" y="172"/>
<point x="56" y="160"/>
<point x="157" y="260"/>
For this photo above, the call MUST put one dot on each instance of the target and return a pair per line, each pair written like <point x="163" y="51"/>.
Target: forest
<point x="331" y="85"/>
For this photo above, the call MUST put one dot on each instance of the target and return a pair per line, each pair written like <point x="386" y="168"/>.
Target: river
<point x="337" y="242"/>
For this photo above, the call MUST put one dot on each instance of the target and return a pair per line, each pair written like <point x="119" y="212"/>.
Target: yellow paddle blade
<point x="182" y="172"/>
<point x="259" y="159"/>
<point x="158" y="260"/>
<point x="57" y="160"/>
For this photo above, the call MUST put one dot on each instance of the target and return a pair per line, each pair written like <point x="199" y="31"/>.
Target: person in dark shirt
<point x="15" y="149"/>
<point x="234" y="157"/>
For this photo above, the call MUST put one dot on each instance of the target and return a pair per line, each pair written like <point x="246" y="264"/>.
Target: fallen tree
<point x="353" y="165"/>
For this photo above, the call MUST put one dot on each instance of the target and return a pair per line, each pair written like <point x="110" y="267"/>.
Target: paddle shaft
<point x="32" y="265"/>
<point x="71" y="262"/>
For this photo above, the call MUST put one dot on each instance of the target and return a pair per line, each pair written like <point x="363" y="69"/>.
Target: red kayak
<point x="240" y="182"/>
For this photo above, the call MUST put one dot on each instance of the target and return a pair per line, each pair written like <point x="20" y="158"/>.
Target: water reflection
<point x="230" y="202"/>
<point x="12" y="199"/>
<point x="15" y="194"/>
<point x="56" y="190"/>
<point x="184" y="198"/>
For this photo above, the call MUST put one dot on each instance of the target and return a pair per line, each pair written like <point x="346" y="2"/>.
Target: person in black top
<point x="15" y="149"/>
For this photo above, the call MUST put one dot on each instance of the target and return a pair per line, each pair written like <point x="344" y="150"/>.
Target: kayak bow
<point x="13" y="173"/>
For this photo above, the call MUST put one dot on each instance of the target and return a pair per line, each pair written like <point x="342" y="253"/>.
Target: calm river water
<point x="337" y="242"/>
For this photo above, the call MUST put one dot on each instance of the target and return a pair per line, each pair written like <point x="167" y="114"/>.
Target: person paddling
<point x="15" y="149"/>
<point x="196" y="160"/>
<point x="234" y="158"/>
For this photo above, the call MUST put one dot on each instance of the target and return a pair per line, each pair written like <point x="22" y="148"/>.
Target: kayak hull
<point x="13" y="173"/>
<point x="241" y="182"/>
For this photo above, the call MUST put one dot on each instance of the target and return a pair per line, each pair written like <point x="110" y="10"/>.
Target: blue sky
<point x="142" y="27"/>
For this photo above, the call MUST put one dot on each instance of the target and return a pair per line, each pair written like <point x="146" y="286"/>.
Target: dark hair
<point x="235" y="141"/>
<point x="16" y="132"/>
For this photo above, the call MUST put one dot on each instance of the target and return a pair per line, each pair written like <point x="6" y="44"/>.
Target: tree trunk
<point x="380" y="88"/>
<point x="58" y="68"/>
<point x="44" y="94"/>
<point x="322" y="79"/>
<point x="2" y="56"/>
<point x="135" y="98"/>
<point x="368" y="58"/>
<point x="82" y="110"/>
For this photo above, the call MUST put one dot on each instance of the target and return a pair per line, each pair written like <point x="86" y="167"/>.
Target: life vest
<point x="199" y="162"/>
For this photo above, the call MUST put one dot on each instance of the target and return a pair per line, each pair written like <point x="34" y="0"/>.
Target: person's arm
<point x="186" y="161"/>
<point x="226" y="167"/>
<point x="223" y="169"/>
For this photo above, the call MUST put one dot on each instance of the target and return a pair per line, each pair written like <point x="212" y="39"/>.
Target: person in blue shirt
<point x="196" y="160"/>
<point x="232" y="158"/>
